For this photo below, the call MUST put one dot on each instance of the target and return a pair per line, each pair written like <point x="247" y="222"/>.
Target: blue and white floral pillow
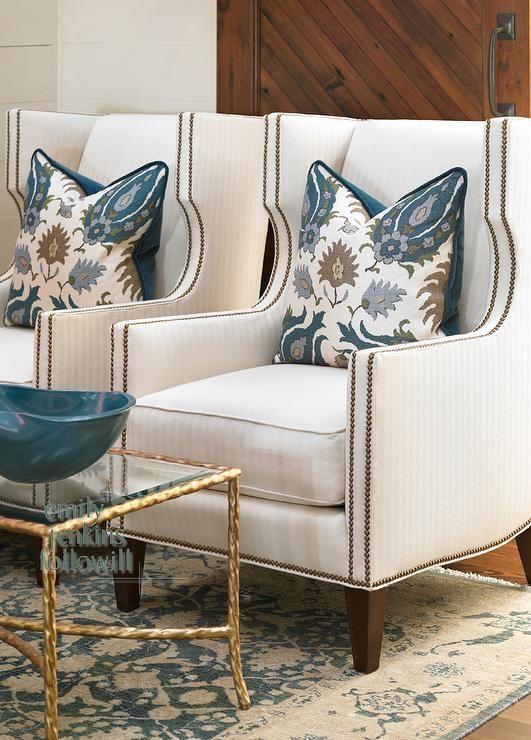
<point x="83" y="244"/>
<point x="368" y="276"/>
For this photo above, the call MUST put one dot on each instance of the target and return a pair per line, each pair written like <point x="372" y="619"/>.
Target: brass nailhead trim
<point x="8" y="162"/>
<point x="490" y="227"/>
<point x="17" y="160"/>
<point x="268" y="210"/>
<point x="38" y="352"/>
<point x="196" y="209"/>
<point x="50" y="351"/>
<point x="350" y="528"/>
<point x="181" y="204"/>
<point x="459" y="556"/>
<point x="252" y="558"/>
<point x="113" y="339"/>
<point x="368" y="477"/>
<point x="318" y="573"/>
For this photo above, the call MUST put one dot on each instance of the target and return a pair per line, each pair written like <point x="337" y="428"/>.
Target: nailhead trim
<point x="492" y="233"/>
<point x="8" y="162"/>
<point x="244" y="556"/>
<point x="350" y="527"/>
<point x="450" y="558"/>
<point x="368" y="462"/>
<point x="183" y="209"/>
<point x="318" y="573"/>
<point x="38" y="329"/>
<point x="268" y="210"/>
<point x="50" y="351"/>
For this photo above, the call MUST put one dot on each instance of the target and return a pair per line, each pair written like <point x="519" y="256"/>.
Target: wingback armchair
<point x="213" y="230"/>
<point x="416" y="454"/>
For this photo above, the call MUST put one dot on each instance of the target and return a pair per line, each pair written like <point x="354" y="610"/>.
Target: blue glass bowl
<point x="46" y="435"/>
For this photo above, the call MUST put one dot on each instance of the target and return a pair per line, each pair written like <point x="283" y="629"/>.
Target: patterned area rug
<point x="456" y="652"/>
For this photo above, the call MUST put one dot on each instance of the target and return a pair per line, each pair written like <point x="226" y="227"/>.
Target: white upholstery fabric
<point x="438" y="433"/>
<point x="304" y="539"/>
<point x="16" y="355"/>
<point x="284" y="425"/>
<point x="216" y="165"/>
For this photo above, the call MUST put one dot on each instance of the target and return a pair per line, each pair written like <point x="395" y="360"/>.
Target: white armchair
<point x="213" y="231"/>
<point x="417" y="454"/>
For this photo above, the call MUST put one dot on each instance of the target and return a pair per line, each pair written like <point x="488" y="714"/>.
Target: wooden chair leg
<point x="128" y="586"/>
<point x="366" y="614"/>
<point x="523" y="541"/>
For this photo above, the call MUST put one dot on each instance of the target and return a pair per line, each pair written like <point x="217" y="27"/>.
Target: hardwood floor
<point x="515" y="722"/>
<point x="502" y="563"/>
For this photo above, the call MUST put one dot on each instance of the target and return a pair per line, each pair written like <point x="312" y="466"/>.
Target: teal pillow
<point x="82" y="243"/>
<point x="366" y="275"/>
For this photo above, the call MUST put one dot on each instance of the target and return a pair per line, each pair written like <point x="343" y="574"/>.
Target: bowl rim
<point x="130" y="401"/>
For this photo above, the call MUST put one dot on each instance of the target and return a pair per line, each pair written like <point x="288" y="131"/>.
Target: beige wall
<point x="137" y="55"/>
<point x="102" y="56"/>
<point x="28" y="79"/>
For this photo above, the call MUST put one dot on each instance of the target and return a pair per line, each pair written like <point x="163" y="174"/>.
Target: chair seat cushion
<point x="283" y="425"/>
<point x="16" y="355"/>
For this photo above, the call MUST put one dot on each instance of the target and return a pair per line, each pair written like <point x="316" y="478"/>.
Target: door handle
<point x="505" y="31"/>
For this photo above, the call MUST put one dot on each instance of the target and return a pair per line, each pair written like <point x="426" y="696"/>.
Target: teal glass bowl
<point x="47" y="435"/>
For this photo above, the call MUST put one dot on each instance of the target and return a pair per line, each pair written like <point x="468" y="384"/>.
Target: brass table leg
<point x="234" y="594"/>
<point x="49" y="639"/>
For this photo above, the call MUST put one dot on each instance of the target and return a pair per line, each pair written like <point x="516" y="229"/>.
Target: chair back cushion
<point x="122" y="143"/>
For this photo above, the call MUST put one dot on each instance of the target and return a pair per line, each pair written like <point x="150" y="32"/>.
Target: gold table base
<point x="47" y="663"/>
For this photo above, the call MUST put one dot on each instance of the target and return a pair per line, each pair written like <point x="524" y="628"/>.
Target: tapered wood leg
<point x="128" y="586"/>
<point x="524" y="548"/>
<point x="366" y="614"/>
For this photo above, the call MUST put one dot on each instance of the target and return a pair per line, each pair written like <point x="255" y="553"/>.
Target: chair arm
<point x="439" y="464"/>
<point x="72" y="347"/>
<point x="152" y="355"/>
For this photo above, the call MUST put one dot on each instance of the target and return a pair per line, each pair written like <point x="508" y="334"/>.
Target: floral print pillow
<point x="368" y="276"/>
<point x="83" y="244"/>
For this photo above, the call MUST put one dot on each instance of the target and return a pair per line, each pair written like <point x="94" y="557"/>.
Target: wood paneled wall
<point x="368" y="58"/>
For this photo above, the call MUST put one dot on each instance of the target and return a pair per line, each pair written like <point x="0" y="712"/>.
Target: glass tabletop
<point x="115" y="478"/>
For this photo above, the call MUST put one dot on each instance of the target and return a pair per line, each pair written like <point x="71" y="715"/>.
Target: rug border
<point x="480" y="719"/>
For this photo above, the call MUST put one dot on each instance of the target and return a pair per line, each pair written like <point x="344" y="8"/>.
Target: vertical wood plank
<point x="238" y="57"/>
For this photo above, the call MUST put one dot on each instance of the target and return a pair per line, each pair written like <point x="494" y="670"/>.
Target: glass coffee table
<point x="120" y="483"/>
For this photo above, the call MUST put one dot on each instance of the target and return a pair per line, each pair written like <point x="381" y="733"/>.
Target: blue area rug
<point x="456" y="652"/>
